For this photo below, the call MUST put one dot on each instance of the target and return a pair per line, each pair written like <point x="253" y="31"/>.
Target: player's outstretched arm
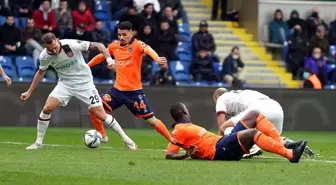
<point x="99" y="58"/>
<point x="37" y="78"/>
<point x="5" y="77"/>
<point x="160" y="60"/>
<point x="190" y="152"/>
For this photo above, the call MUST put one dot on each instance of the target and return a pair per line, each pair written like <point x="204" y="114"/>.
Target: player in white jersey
<point x="75" y="80"/>
<point x="232" y="106"/>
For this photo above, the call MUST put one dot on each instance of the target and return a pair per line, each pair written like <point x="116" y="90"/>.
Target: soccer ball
<point x="92" y="138"/>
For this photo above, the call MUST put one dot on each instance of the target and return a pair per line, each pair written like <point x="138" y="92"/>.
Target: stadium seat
<point x="23" y="22"/>
<point x="218" y="67"/>
<point x="184" y="29"/>
<point x="155" y="67"/>
<point x="106" y="81"/>
<point x="332" y="52"/>
<point x="180" y="70"/>
<point x="17" y="22"/>
<point x="183" y="48"/>
<point x="25" y="66"/>
<point x="332" y="66"/>
<point x="101" y="6"/>
<point x="185" y="57"/>
<point x="101" y="16"/>
<point x="330" y="87"/>
<point x="112" y="25"/>
<point x="7" y="66"/>
<point x="2" y="20"/>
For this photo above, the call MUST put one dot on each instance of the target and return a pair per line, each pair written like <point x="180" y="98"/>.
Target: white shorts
<point x="271" y="109"/>
<point x="89" y="96"/>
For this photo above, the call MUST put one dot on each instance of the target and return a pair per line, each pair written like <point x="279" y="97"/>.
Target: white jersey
<point x="235" y="102"/>
<point x="72" y="70"/>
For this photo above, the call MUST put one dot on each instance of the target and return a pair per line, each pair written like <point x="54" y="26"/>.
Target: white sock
<point x="42" y="125"/>
<point x="111" y="122"/>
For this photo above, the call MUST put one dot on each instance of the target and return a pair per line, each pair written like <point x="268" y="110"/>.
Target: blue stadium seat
<point x="183" y="47"/>
<point x="332" y="66"/>
<point x="185" y="57"/>
<point x="2" y="20"/>
<point x="25" y="66"/>
<point x="332" y="52"/>
<point x="330" y="87"/>
<point x="217" y="67"/>
<point x="23" y="22"/>
<point x="155" y="67"/>
<point x="106" y="81"/>
<point x="180" y="70"/>
<point x="184" y="29"/>
<point x="7" y="65"/>
<point x="112" y="26"/>
<point x="101" y="6"/>
<point x="102" y="16"/>
<point x="17" y="22"/>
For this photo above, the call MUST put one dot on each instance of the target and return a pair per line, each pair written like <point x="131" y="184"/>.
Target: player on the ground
<point x="232" y="106"/>
<point x="127" y="89"/>
<point x="75" y="80"/>
<point x="202" y="144"/>
<point x="5" y="77"/>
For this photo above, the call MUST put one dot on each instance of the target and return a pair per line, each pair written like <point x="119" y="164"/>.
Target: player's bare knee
<point x="250" y="118"/>
<point x="152" y="121"/>
<point x="47" y="109"/>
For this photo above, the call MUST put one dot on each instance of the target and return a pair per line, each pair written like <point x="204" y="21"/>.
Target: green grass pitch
<point x="65" y="160"/>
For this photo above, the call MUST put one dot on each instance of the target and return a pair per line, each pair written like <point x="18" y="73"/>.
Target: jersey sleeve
<point x="44" y="62"/>
<point x="220" y="105"/>
<point x="171" y="148"/>
<point x="179" y="136"/>
<point x="142" y="46"/>
<point x="80" y="45"/>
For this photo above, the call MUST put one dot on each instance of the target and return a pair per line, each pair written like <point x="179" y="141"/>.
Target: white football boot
<point x="34" y="146"/>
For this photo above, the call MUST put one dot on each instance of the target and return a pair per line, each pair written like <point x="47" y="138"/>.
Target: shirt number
<point x="94" y="99"/>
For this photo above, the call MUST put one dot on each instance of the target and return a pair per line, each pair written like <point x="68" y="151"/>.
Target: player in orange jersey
<point x="127" y="89"/>
<point x="202" y="144"/>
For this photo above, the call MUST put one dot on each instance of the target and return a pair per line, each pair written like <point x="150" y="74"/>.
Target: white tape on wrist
<point x="110" y="60"/>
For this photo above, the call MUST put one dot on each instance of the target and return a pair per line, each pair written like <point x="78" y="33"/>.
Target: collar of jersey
<point x="130" y="42"/>
<point x="180" y="122"/>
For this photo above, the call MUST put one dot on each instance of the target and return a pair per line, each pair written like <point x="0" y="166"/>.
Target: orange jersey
<point x="188" y="134"/>
<point x="128" y="60"/>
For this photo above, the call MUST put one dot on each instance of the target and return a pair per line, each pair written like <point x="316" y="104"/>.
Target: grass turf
<point x="67" y="161"/>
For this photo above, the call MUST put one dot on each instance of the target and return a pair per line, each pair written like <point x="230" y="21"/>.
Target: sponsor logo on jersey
<point x="107" y="98"/>
<point x="124" y="62"/>
<point x="67" y="65"/>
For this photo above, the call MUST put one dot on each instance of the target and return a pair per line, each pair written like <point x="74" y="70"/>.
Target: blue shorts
<point x="228" y="148"/>
<point x="238" y="127"/>
<point x="135" y="101"/>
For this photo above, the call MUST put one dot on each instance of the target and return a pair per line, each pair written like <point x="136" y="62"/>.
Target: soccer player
<point x="5" y="77"/>
<point x="202" y="144"/>
<point x="127" y="90"/>
<point x="237" y="103"/>
<point x="75" y="80"/>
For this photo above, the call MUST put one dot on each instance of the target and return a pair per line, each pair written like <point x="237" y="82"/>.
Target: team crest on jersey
<point x="130" y="50"/>
<point x="69" y="54"/>
<point x="107" y="98"/>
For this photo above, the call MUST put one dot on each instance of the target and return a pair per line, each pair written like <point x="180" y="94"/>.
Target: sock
<point x="270" y="145"/>
<point x="162" y="129"/>
<point x="42" y="125"/>
<point x="98" y="124"/>
<point x="266" y="127"/>
<point x="111" y="122"/>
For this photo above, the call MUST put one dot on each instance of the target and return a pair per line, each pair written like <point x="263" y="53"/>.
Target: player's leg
<point x="255" y="119"/>
<point x="138" y="104"/>
<point x="92" y="98"/>
<point x="60" y="96"/>
<point x="250" y="136"/>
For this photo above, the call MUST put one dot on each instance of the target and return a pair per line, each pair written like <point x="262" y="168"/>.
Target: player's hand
<point x="25" y="96"/>
<point x="162" y="61"/>
<point x="7" y="80"/>
<point x="111" y="66"/>
<point x="191" y="151"/>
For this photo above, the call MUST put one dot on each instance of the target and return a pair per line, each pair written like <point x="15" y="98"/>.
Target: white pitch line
<point x="149" y="149"/>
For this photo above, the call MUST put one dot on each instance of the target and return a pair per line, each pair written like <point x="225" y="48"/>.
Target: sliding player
<point x="75" y="80"/>
<point x="202" y="144"/>
<point x="237" y="103"/>
<point x="127" y="89"/>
